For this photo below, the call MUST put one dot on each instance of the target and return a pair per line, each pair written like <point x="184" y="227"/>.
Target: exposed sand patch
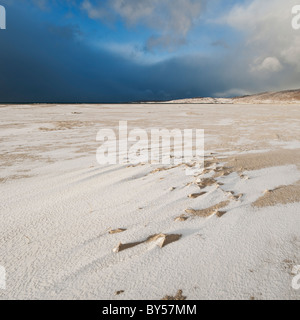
<point x="13" y="125"/>
<point x="220" y="214"/>
<point x="161" y="239"/>
<point x="207" y="182"/>
<point x="119" y="230"/>
<point x="15" y="177"/>
<point x="204" y="213"/>
<point x="209" y="163"/>
<point x="181" y="218"/>
<point x="196" y="195"/>
<point x="280" y="195"/>
<point x="124" y="246"/>
<point x="248" y="162"/>
<point x="119" y="292"/>
<point x="236" y="196"/>
<point x="65" y="125"/>
<point x="164" y="239"/>
<point x="178" y="296"/>
<point x="164" y="169"/>
<point x="222" y="172"/>
<point x="10" y="159"/>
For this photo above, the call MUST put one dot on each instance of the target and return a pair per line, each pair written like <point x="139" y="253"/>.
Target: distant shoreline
<point x="274" y="97"/>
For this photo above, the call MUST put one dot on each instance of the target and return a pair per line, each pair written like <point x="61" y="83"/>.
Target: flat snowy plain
<point x="232" y="232"/>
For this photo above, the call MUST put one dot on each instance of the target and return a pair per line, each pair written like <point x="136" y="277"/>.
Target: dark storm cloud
<point x="47" y="63"/>
<point x="43" y="62"/>
<point x="53" y="62"/>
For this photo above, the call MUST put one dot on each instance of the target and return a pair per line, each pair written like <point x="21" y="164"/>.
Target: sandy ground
<point x="72" y="229"/>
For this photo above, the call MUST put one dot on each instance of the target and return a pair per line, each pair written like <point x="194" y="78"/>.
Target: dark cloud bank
<point x="40" y="62"/>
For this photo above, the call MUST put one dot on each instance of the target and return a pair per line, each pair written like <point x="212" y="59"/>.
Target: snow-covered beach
<point x="230" y="233"/>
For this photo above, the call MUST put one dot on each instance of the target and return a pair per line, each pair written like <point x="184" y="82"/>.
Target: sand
<point x="72" y="229"/>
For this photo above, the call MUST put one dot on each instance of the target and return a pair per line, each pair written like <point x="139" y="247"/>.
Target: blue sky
<point x="132" y="50"/>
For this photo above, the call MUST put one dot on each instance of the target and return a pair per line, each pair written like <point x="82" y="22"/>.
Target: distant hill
<point x="280" y="97"/>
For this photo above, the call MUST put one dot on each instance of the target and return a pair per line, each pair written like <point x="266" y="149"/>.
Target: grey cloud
<point x="269" y="46"/>
<point x="269" y="36"/>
